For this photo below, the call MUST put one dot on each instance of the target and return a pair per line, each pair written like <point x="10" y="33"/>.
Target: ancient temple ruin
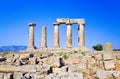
<point x="68" y="22"/>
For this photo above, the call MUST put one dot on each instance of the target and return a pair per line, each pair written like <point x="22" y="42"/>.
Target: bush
<point x="65" y="56"/>
<point x="98" y="47"/>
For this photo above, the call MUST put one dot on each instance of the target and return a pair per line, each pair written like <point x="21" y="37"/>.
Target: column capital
<point x="79" y="23"/>
<point x="56" y="23"/>
<point x="68" y="23"/>
<point x="32" y="24"/>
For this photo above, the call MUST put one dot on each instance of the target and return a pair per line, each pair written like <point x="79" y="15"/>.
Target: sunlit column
<point x="56" y="35"/>
<point x="44" y="38"/>
<point x="69" y="35"/>
<point x="31" y="36"/>
<point x="81" y="36"/>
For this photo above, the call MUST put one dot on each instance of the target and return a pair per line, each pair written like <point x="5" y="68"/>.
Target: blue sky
<point x="102" y="20"/>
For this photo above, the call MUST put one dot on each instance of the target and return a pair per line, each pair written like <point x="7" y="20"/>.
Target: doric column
<point x="31" y="36"/>
<point x="44" y="38"/>
<point x="56" y="35"/>
<point x="81" y="39"/>
<point x="69" y="35"/>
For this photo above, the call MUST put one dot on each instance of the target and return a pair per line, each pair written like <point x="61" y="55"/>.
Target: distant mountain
<point x="12" y="48"/>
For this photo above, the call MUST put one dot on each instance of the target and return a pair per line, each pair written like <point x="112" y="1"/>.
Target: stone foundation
<point x="72" y="64"/>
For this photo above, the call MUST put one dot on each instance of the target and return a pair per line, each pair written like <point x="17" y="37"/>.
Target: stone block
<point x="108" y="47"/>
<point x="33" y="61"/>
<point x="62" y="20"/>
<point x="81" y="66"/>
<point x="17" y="75"/>
<point x="75" y="76"/>
<point x="1" y="76"/>
<point x="26" y="56"/>
<point x="99" y="56"/>
<point x="56" y="70"/>
<point x="75" y="61"/>
<point x="109" y="65"/>
<point x="108" y="56"/>
<point x="8" y="76"/>
<point x="82" y="21"/>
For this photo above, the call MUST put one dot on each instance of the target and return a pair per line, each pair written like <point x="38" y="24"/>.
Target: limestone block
<point x="25" y="68"/>
<point x="62" y="20"/>
<point x="1" y="76"/>
<point x="68" y="61"/>
<point x="82" y="21"/>
<point x="72" y="68"/>
<point x="54" y="61"/>
<point x="102" y="74"/>
<point x="33" y="61"/>
<point x="8" y="76"/>
<point x="116" y="74"/>
<point x="43" y="69"/>
<point x="99" y="56"/>
<point x="16" y="56"/>
<point x="108" y="65"/>
<point x="81" y="66"/>
<point x="18" y="75"/>
<point x="108" y="47"/>
<point x="75" y="76"/>
<point x="108" y="56"/>
<point x="75" y="61"/>
<point x="27" y="55"/>
<point x="118" y="57"/>
<point x="56" y="70"/>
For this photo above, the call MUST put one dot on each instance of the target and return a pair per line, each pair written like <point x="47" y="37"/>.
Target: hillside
<point x="12" y="48"/>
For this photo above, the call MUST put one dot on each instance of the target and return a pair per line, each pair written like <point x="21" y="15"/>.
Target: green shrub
<point x="98" y="47"/>
<point x="65" y="56"/>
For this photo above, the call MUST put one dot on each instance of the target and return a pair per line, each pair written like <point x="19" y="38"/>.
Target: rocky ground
<point x="60" y="65"/>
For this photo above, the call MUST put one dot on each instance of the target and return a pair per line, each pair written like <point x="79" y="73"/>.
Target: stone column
<point x="44" y="38"/>
<point x="56" y="35"/>
<point x="31" y="36"/>
<point x="81" y="39"/>
<point x="69" y="35"/>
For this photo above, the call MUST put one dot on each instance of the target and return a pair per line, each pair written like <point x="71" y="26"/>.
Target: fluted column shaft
<point x="56" y="35"/>
<point x="44" y="38"/>
<point x="31" y="36"/>
<point x="69" y="35"/>
<point x="81" y="35"/>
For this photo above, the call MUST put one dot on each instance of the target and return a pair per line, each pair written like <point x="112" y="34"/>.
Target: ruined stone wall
<point x="60" y="65"/>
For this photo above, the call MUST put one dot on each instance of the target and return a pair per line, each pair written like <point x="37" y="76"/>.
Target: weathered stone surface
<point x="81" y="40"/>
<point x="17" y="75"/>
<point x="25" y="68"/>
<point x="62" y="20"/>
<point x="116" y="74"/>
<point x="102" y="74"/>
<point x="69" y="35"/>
<point x="25" y="56"/>
<point x="1" y="75"/>
<point x="81" y="66"/>
<point x="56" y="36"/>
<point x="108" y="56"/>
<point x="44" y="37"/>
<point x="108" y="47"/>
<point x="33" y="61"/>
<point x="109" y="65"/>
<point x="31" y="37"/>
<point x="2" y="59"/>
<point x="82" y="21"/>
<point x="8" y="76"/>
<point x="65" y="75"/>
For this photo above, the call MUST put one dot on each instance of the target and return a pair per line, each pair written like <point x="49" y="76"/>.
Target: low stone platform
<point x="74" y="64"/>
